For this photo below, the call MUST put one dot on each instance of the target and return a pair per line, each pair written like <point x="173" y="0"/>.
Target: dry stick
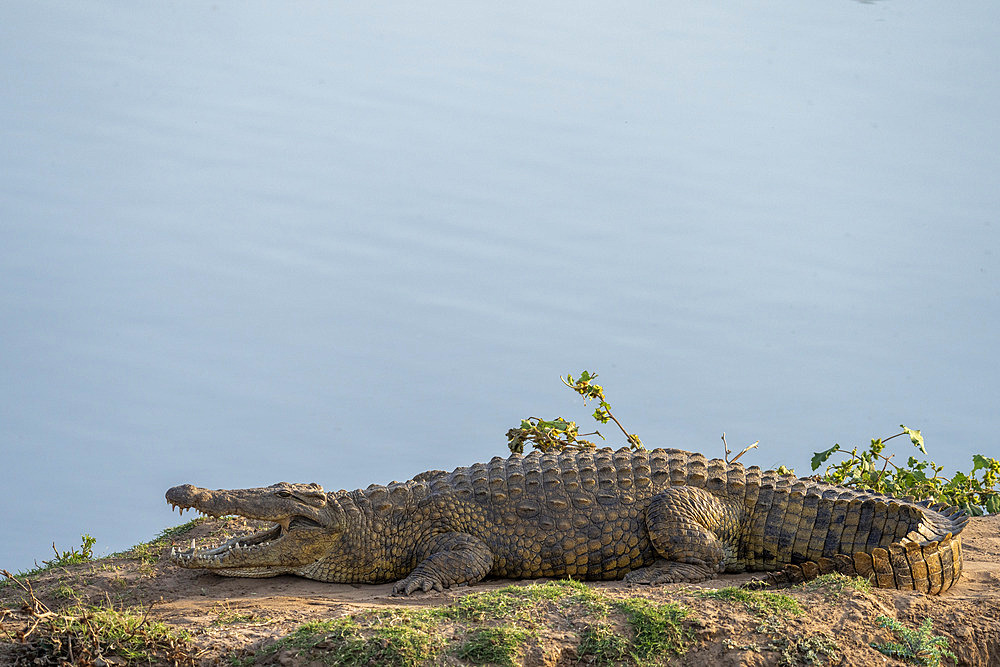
<point x="25" y="585"/>
<point x="746" y="449"/>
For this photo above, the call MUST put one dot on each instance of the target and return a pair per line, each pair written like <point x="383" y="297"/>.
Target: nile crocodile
<point x="656" y="516"/>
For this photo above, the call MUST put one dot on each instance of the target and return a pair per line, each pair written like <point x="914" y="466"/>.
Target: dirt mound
<point x="236" y="620"/>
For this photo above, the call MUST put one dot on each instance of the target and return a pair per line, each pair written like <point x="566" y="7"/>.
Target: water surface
<point x="250" y="242"/>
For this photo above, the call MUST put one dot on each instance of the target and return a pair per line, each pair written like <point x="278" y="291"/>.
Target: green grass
<point x="605" y="644"/>
<point x="62" y="559"/>
<point x="761" y="603"/>
<point x="658" y="628"/>
<point x="494" y="627"/>
<point x="522" y="602"/>
<point x="836" y="584"/>
<point x="398" y="638"/>
<point x="497" y="645"/>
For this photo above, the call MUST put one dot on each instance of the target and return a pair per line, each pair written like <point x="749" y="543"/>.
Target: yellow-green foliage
<point x="976" y="492"/>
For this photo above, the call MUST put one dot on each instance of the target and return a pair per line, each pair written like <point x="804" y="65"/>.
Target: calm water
<point x="250" y="242"/>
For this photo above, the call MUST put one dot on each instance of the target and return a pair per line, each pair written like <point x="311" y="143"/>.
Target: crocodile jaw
<point x="300" y="535"/>
<point x="235" y="557"/>
<point x="267" y="553"/>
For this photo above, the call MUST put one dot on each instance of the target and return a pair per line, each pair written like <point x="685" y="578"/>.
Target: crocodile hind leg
<point x="685" y="525"/>
<point x="449" y="559"/>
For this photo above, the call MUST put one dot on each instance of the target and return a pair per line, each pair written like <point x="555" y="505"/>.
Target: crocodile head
<point x="305" y="528"/>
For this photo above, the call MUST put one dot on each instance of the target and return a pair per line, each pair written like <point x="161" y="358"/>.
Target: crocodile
<point x="648" y="516"/>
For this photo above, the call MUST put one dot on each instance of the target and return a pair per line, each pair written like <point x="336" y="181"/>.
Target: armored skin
<point x="657" y="516"/>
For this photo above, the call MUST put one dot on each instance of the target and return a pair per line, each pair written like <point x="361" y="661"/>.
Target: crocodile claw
<point x="414" y="583"/>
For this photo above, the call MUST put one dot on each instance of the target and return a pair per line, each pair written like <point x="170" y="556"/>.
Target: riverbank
<point x="204" y="619"/>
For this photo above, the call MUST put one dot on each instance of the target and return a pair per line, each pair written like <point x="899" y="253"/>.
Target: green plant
<point x="497" y="645"/>
<point x="400" y="638"/>
<point x="975" y="492"/>
<point x="559" y="434"/>
<point x="62" y="558"/>
<point x="919" y="647"/>
<point x="73" y="556"/>
<point x="762" y="603"/>
<point x="836" y="583"/>
<point x="658" y="628"/>
<point x="815" y="650"/>
<point x="604" y="643"/>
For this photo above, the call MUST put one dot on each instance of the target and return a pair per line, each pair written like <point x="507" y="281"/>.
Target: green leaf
<point x="915" y="437"/>
<point x="820" y="457"/>
<point x="993" y="504"/>
<point x="979" y="462"/>
<point x="957" y="480"/>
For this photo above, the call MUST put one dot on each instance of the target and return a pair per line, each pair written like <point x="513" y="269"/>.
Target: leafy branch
<point x="548" y="435"/>
<point x="974" y="492"/>
<point x="559" y="434"/>
<point x="585" y="386"/>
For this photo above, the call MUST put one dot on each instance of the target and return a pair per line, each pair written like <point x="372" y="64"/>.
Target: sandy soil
<point x="968" y="615"/>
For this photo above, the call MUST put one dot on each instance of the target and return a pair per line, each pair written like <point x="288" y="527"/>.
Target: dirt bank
<point x="236" y="618"/>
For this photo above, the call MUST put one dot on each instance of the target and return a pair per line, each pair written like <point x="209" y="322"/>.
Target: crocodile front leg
<point x="451" y="558"/>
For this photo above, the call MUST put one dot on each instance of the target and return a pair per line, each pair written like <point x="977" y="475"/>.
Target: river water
<point x="349" y="242"/>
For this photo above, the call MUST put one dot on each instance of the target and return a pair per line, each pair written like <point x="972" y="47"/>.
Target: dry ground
<point x="235" y="617"/>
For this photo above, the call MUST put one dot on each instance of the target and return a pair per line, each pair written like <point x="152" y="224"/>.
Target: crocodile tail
<point x="928" y="558"/>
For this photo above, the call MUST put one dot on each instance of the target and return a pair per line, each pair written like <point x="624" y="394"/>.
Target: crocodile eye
<point x="284" y="494"/>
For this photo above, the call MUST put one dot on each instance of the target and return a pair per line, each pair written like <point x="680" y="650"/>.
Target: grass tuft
<point x="762" y="603"/>
<point x="836" y="584"/>
<point x="604" y="644"/>
<point x="497" y="645"/>
<point x="658" y="628"/>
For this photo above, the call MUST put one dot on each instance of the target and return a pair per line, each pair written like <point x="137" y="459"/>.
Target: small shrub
<point x="560" y="434"/>
<point x="919" y="647"/>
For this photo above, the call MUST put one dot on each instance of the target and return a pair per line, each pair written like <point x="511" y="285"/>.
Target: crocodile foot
<point x="417" y="582"/>
<point x="669" y="572"/>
